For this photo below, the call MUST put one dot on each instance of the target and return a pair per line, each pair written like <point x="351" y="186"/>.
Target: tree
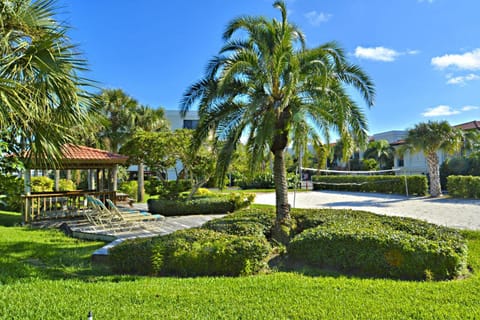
<point x="269" y="87"/>
<point x="382" y="152"/>
<point x="118" y="110"/>
<point x="150" y="120"/>
<point x="42" y="96"/>
<point x="429" y="138"/>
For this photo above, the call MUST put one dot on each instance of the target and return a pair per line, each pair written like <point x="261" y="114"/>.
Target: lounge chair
<point x="133" y="215"/>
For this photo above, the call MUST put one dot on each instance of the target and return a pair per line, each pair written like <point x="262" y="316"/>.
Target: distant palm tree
<point x="42" y="96"/>
<point x="430" y="137"/>
<point x="149" y="120"/>
<point x="382" y="152"/>
<point x="271" y="88"/>
<point x="119" y="111"/>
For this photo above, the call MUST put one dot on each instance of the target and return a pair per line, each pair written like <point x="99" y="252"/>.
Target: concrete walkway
<point x="455" y="213"/>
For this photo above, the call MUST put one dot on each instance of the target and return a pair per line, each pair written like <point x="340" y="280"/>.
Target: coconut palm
<point x="42" y="96"/>
<point x="429" y="138"/>
<point x="268" y="87"/>
<point x="382" y="152"/>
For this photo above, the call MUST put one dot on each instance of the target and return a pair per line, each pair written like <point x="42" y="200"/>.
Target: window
<point x="190" y="124"/>
<point x="400" y="162"/>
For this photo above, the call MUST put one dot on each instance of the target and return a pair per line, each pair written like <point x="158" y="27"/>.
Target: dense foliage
<point x="417" y="185"/>
<point x="464" y="187"/>
<point x="192" y="252"/>
<point x="460" y="166"/>
<point x="221" y="204"/>
<point x="266" y="181"/>
<point x="365" y="243"/>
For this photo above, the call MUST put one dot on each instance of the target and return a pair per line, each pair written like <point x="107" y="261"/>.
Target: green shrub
<point x="12" y="188"/>
<point x="168" y="189"/>
<point x="41" y="184"/>
<point x="66" y="185"/>
<point x="365" y="243"/>
<point x="464" y="187"/>
<point x="130" y="188"/>
<point x="417" y="184"/>
<point x="191" y="252"/>
<point x="246" y="222"/>
<point x="265" y="181"/>
<point x="209" y="205"/>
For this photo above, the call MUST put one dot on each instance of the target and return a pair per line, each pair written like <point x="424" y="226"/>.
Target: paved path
<point x="456" y="213"/>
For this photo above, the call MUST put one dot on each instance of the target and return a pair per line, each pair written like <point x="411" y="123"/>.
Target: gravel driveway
<point x="456" y="213"/>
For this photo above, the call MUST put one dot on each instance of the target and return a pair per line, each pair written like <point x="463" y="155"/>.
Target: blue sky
<point x="423" y="55"/>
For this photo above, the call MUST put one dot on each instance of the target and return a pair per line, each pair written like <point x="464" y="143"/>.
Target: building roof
<point x="81" y="157"/>
<point x="469" y="125"/>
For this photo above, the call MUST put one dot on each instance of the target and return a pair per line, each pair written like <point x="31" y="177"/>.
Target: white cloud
<point x="441" y="110"/>
<point x="467" y="61"/>
<point x="462" y="80"/>
<point x="316" y="18"/>
<point x="377" y="53"/>
<point x="470" y="108"/>
<point x="380" y="53"/>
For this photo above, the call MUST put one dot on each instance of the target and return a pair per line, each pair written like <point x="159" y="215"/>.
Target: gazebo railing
<point x="59" y="205"/>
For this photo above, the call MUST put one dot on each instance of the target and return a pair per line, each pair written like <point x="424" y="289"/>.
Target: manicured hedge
<point x="365" y="243"/>
<point x="207" y="205"/>
<point x="417" y="184"/>
<point x="464" y="187"/>
<point x="192" y="252"/>
<point x="246" y="222"/>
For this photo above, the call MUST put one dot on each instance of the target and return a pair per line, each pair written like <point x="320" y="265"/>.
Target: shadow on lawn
<point x="10" y="219"/>
<point x="26" y="260"/>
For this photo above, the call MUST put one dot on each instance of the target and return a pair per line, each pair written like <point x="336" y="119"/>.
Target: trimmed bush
<point x="66" y="185"/>
<point x="246" y="222"/>
<point x="168" y="189"/>
<point x="364" y="243"/>
<point x="12" y="188"/>
<point x="464" y="187"/>
<point x="265" y="181"/>
<point x="130" y="188"/>
<point x="417" y="184"/>
<point x="192" y="252"/>
<point x="208" y="205"/>
<point x="41" y="184"/>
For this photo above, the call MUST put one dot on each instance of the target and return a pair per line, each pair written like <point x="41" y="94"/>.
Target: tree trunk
<point x="141" y="183"/>
<point x="283" y="223"/>
<point x="434" y="174"/>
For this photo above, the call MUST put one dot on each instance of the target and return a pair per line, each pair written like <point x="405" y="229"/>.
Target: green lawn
<point x="46" y="275"/>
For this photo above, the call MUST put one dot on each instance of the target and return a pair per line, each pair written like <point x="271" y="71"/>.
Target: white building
<point x="190" y="121"/>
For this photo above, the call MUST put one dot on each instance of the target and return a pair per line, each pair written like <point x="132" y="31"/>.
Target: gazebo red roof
<point x="81" y="157"/>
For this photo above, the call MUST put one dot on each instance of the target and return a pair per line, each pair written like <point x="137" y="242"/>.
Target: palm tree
<point x="381" y="151"/>
<point x="150" y="120"/>
<point x="430" y="137"/>
<point x="119" y="111"/>
<point x="42" y="96"/>
<point x="270" y="88"/>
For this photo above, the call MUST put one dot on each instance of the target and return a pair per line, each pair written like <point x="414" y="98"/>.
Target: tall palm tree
<point x="42" y="96"/>
<point x="149" y="120"/>
<point x="119" y="110"/>
<point x="429" y="138"/>
<point x="269" y="87"/>
<point x="381" y="151"/>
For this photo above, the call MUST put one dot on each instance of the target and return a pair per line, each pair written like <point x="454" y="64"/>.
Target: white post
<point x="57" y="180"/>
<point x="26" y="181"/>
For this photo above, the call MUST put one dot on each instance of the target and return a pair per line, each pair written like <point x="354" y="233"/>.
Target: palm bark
<point x="141" y="182"/>
<point x="434" y="174"/>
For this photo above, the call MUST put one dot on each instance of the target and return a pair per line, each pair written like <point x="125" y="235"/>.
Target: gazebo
<point x="102" y="168"/>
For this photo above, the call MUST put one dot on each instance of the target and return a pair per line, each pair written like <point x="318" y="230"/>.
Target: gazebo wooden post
<point x="57" y="180"/>
<point x="114" y="177"/>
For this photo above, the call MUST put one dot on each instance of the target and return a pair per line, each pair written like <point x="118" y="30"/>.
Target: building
<point x="190" y="121"/>
<point x="416" y="163"/>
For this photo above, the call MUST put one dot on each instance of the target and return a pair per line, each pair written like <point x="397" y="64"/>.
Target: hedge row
<point x="464" y="187"/>
<point x="192" y="252"/>
<point x="207" y="205"/>
<point x="417" y="184"/>
<point x="365" y="243"/>
<point x="250" y="222"/>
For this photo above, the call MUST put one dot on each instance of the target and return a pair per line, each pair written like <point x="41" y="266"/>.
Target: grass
<point x="46" y="275"/>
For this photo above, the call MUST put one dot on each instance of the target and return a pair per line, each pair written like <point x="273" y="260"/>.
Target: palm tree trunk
<point x="141" y="183"/>
<point x="434" y="174"/>
<point x="283" y="223"/>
